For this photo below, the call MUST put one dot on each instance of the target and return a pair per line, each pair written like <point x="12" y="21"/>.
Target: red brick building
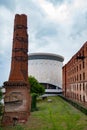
<point x="75" y="77"/>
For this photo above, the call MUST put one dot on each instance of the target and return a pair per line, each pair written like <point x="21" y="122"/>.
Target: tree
<point x="1" y="106"/>
<point x="0" y="95"/>
<point x="36" y="89"/>
<point x="35" y="86"/>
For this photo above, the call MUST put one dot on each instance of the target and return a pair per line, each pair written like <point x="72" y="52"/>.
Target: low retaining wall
<point x="75" y="104"/>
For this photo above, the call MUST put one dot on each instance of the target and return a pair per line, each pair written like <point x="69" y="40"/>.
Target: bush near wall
<point x="33" y="103"/>
<point x="75" y="104"/>
<point x="36" y="89"/>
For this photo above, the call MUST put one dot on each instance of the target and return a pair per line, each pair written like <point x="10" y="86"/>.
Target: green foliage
<point x="35" y="87"/>
<point x="1" y="106"/>
<point x="19" y="127"/>
<point x="55" y="115"/>
<point x="1" y="109"/>
<point x="75" y="104"/>
<point x="33" y="103"/>
<point x="1" y="128"/>
<point x="0" y="95"/>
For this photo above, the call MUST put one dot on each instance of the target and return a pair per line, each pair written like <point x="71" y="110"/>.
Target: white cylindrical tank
<point x="46" y="68"/>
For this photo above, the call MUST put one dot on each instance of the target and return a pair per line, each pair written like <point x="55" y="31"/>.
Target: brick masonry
<point x="75" y="77"/>
<point x="17" y="98"/>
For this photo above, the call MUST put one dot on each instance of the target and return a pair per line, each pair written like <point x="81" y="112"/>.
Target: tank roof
<point x="46" y="56"/>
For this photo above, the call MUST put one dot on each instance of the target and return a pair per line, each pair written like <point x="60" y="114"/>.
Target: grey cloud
<point x="47" y="31"/>
<point x="59" y="2"/>
<point x="55" y="2"/>
<point x="45" y="35"/>
<point x="4" y="68"/>
<point x="79" y="25"/>
<point x="10" y="4"/>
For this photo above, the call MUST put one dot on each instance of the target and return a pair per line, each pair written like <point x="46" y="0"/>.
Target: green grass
<point x="55" y="115"/>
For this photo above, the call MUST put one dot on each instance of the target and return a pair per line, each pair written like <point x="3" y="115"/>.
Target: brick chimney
<point x="17" y="97"/>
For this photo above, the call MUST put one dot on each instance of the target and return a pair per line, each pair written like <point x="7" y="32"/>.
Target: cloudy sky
<point x="54" y="26"/>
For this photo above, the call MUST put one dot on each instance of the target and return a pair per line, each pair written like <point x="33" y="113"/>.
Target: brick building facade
<point x="75" y="77"/>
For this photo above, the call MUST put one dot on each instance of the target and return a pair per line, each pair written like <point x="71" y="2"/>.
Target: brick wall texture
<point x="17" y="98"/>
<point x="75" y="77"/>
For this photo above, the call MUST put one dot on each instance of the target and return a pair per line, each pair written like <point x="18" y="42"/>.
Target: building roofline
<point x="46" y="56"/>
<point x="77" y="53"/>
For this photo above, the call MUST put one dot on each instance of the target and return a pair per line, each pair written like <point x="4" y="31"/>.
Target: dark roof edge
<point x="50" y="56"/>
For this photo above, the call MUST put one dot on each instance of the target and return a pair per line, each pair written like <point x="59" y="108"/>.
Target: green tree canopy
<point x="1" y="106"/>
<point x="36" y="89"/>
<point x="35" y="86"/>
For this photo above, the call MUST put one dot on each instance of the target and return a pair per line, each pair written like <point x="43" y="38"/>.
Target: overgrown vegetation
<point x="35" y="86"/>
<point x="55" y="115"/>
<point x="75" y="104"/>
<point x="36" y="89"/>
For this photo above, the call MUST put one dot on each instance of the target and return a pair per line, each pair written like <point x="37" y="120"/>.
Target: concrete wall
<point x="46" y="71"/>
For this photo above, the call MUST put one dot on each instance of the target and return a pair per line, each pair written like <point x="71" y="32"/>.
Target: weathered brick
<point x="17" y="98"/>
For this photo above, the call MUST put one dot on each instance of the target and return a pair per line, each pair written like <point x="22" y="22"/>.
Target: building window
<point x="77" y="68"/>
<point x="80" y="66"/>
<point x="80" y="76"/>
<point x="83" y="98"/>
<point x="77" y="96"/>
<point x="77" y="77"/>
<point x="80" y="86"/>
<point x="83" y="76"/>
<point x="77" y="86"/>
<point x="83" y="64"/>
<point x="80" y="97"/>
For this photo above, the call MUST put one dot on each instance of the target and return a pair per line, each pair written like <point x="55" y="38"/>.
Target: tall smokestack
<point x="17" y="98"/>
<point x="19" y="64"/>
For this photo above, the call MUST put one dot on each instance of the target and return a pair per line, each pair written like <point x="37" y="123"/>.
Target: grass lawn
<point x="55" y="115"/>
